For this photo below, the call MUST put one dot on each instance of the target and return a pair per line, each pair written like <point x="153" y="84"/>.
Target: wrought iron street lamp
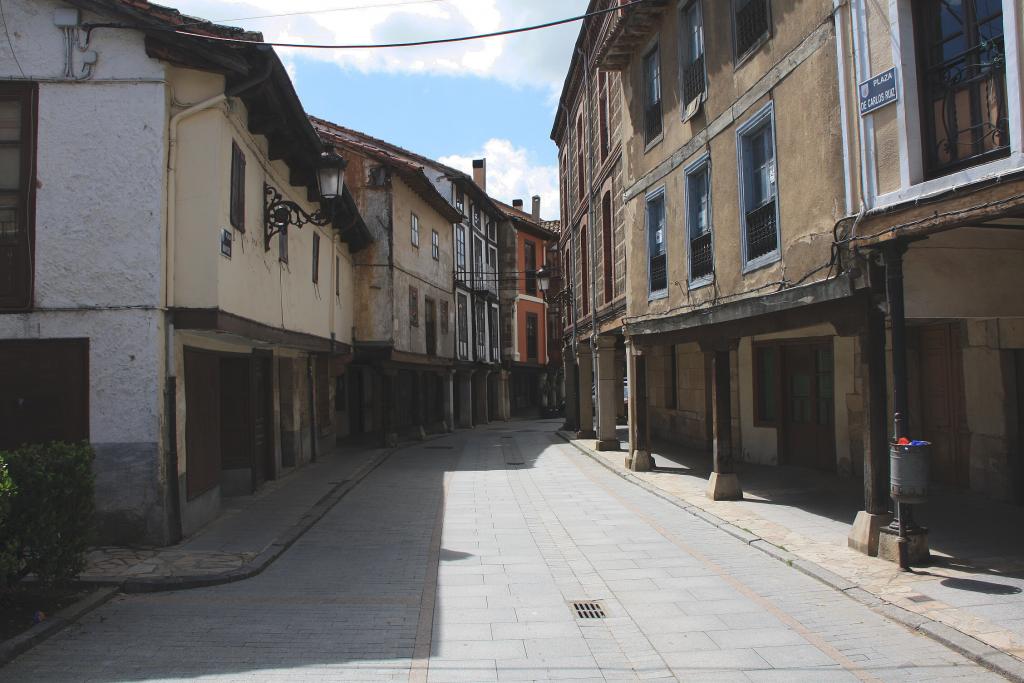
<point x="280" y="213"/>
<point x="543" y="278"/>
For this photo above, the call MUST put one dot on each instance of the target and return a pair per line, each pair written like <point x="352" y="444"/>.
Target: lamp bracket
<point x="280" y="213"/>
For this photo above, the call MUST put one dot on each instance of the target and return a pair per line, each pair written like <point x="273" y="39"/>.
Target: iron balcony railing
<point x="762" y="237"/>
<point x="652" y="121"/>
<point x="659" y="273"/>
<point x="702" y="261"/>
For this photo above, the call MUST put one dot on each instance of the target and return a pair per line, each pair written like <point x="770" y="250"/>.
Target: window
<point x="530" y="266"/>
<point x="282" y="245"/>
<point x="444" y="317"/>
<point x="492" y="232"/>
<point x="657" y="261"/>
<point x="531" y="336"/>
<point x="962" y="57"/>
<point x="766" y="385"/>
<point x="492" y="332"/>
<point x="478" y="262"/>
<point x="414" y="230"/>
<point x="237" y="209"/>
<point x="17" y="193"/>
<point x="584" y="272"/>
<point x="430" y="326"/>
<point x="758" y="190"/>
<point x="563" y="184"/>
<point x="692" y="51"/>
<point x="698" y="222"/>
<point x="460" y="202"/>
<point x="751" y="25"/>
<point x="435" y="245"/>
<point x="579" y="158"/>
<point x="476" y="216"/>
<point x="462" y="322"/>
<point x="606" y="243"/>
<point x="602" y="104"/>
<point x="337" y="276"/>
<point x="480" y="322"/>
<point x="652" y="95"/>
<point x="414" y="307"/>
<point x="316" y="258"/>
<point x="460" y="250"/>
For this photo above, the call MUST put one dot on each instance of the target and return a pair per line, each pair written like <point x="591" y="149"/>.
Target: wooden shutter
<point x="237" y="187"/>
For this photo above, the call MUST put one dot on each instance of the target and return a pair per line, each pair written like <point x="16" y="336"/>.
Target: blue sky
<point x="494" y="98"/>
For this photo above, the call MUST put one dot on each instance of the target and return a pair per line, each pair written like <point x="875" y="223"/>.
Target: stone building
<point x="768" y="206"/>
<point x="400" y="380"/>
<point x="588" y="131"/>
<point x="174" y="285"/>
<point x="523" y="242"/>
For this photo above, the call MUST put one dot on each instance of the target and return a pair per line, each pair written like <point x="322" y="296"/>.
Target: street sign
<point x="878" y="91"/>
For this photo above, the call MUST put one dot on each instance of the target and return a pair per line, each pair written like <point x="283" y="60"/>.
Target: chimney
<point x="517" y="204"/>
<point x="480" y="173"/>
<point x="536" y="207"/>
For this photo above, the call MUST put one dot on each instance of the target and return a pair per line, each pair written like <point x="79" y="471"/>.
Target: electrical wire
<point x="370" y="46"/>
<point x="7" y="32"/>
<point x="207" y="22"/>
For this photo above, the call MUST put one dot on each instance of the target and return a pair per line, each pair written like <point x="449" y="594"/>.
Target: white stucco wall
<point x="98" y="244"/>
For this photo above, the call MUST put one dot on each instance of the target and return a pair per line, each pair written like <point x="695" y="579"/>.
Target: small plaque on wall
<point x="225" y="243"/>
<point x="878" y="91"/>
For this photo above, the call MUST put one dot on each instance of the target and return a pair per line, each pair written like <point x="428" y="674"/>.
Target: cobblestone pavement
<point x="458" y="561"/>
<point x="975" y="583"/>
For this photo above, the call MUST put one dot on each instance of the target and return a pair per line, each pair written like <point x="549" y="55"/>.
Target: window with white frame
<point x="652" y="94"/>
<point x="478" y="262"/>
<point x="460" y="201"/>
<point x="691" y="72"/>
<point x="758" y="189"/>
<point x="414" y="230"/>
<point x="492" y="263"/>
<point x="460" y="250"/>
<point x="435" y="245"/>
<point x="657" y="260"/>
<point x="698" y="222"/>
<point x="462" y="324"/>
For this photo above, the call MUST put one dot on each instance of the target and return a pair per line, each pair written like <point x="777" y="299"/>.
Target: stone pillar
<point x="504" y="401"/>
<point x="389" y="407"/>
<point x="465" y="389"/>
<point x="875" y="515"/>
<point x="543" y="389"/>
<point x="572" y="421"/>
<point x="419" y="406"/>
<point x="724" y="484"/>
<point x="621" y="412"/>
<point x="639" y="459"/>
<point x="585" y="365"/>
<point x="607" y="439"/>
<point x="448" y="395"/>
<point x="479" y="393"/>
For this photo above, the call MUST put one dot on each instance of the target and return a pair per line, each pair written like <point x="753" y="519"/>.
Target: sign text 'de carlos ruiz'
<point x="878" y="91"/>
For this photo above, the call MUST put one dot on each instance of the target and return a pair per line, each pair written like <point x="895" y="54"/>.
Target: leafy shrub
<point x="7" y="551"/>
<point x="51" y="515"/>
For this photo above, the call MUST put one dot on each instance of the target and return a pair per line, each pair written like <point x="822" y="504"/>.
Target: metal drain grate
<point x="438" y="448"/>
<point x="515" y="464"/>
<point x="588" y="610"/>
<point x="919" y="598"/>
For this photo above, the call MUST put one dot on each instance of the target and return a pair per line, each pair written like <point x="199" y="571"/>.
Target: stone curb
<point x="12" y="647"/>
<point x="970" y="647"/>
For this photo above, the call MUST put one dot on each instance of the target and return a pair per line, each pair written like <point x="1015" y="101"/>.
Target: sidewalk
<point x="251" y="532"/>
<point x="975" y="585"/>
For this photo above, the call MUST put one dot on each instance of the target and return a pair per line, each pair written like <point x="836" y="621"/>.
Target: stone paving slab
<point x="818" y="547"/>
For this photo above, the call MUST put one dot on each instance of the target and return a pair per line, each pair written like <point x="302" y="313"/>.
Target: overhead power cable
<point x="372" y="46"/>
<point x="353" y="8"/>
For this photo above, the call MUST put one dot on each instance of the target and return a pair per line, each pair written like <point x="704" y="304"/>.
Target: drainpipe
<point x="590" y="228"/>
<point x="862" y="69"/>
<point x="844" y="107"/>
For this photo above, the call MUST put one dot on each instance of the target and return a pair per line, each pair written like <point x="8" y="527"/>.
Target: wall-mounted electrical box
<point x="66" y="17"/>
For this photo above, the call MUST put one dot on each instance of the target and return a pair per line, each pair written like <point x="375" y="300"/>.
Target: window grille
<point x="693" y="81"/>
<point x="702" y="261"/>
<point x="751" y="24"/>
<point x="762" y="237"/>
<point x="652" y="95"/>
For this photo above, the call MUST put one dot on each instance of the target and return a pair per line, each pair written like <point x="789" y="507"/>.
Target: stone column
<point x="504" y="400"/>
<point x="448" y="395"/>
<point x="724" y="484"/>
<point x="389" y="404"/>
<point x="465" y="416"/>
<point x="572" y="406"/>
<point x="419" y="407"/>
<point x="621" y="412"/>
<point x="585" y="364"/>
<point x="875" y="515"/>
<point x="607" y="439"/>
<point x="639" y="459"/>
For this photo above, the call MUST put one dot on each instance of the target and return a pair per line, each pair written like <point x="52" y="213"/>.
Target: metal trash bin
<point x="908" y="478"/>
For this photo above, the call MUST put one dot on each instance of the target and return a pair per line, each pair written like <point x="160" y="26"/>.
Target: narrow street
<point x="460" y="559"/>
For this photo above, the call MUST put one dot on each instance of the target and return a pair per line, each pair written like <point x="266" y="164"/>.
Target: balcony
<point x="762" y="236"/>
<point x="702" y="257"/>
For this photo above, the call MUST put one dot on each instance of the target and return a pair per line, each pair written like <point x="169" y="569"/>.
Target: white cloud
<point x="512" y="174"/>
<point x="538" y="58"/>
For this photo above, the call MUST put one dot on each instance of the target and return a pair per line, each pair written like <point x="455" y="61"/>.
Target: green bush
<point x="7" y="553"/>
<point x="51" y="515"/>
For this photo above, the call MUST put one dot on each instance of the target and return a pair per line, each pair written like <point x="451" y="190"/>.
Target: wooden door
<point x="943" y="413"/>
<point x="262" y="408"/>
<point x="202" y="422"/>
<point x="430" y="317"/>
<point x="808" y="428"/>
<point x="44" y="391"/>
